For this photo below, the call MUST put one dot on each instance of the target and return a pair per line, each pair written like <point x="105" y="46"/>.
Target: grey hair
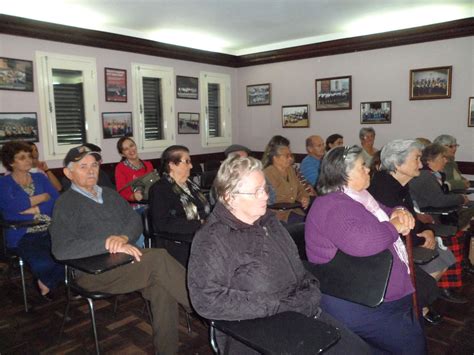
<point x="335" y="168"/>
<point x="445" y="139"/>
<point x="230" y="175"/>
<point x="396" y="152"/>
<point x="364" y="130"/>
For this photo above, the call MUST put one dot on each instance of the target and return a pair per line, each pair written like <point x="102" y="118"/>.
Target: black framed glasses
<point x="185" y="161"/>
<point x="259" y="193"/>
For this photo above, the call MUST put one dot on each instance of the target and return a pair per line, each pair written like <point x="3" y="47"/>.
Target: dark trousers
<point x="390" y="327"/>
<point x="35" y="249"/>
<point x="161" y="280"/>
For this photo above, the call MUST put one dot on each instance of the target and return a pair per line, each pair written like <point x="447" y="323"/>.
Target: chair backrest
<point x="296" y="231"/>
<point x="207" y="179"/>
<point x="361" y="280"/>
<point x="210" y="165"/>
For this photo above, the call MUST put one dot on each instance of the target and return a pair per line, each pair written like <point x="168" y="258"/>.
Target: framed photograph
<point x="470" y="117"/>
<point x="115" y="85"/>
<point x="187" y="87"/>
<point x="376" y="112"/>
<point x="296" y="116"/>
<point x="259" y="95"/>
<point x="188" y="123"/>
<point x="16" y="74"/>
<point x="334" y="93"/>
<point x="117" y="124"/>
<point x="430" y="83"/>
<point x="18" y="126"/>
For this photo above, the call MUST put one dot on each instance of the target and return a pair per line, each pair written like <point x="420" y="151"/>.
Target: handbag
<point x="143" y="183"/>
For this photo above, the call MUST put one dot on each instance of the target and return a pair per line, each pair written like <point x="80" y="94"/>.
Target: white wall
<point x="377" y="75"/>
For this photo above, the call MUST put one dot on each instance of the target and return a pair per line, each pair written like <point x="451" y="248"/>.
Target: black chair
<point x="296" y="232"/>
<point x="211" y="165"/>
<point x="361" y="280"/>
<point x="283" y="333"/>
<point x="92" y="265"/>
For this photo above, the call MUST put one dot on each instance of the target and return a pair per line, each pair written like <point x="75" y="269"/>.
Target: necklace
<point x="22" y="180"/>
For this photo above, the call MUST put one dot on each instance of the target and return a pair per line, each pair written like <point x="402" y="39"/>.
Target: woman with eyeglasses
<point x="346" y="217"/>
<point x="130" y="168"/>
<point x="177" y="205"/>
<point x="281" y="176"/>
<point x="367" y="139"/>
<point x="244" y="264"/>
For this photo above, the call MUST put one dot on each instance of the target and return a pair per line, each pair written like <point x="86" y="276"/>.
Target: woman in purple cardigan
<point x="346" y="217"/>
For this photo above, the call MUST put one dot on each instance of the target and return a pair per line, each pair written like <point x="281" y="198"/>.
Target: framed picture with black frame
<point x="259" y="95"/>
<point x="375" y="112"/>
<point x="334" y="93"/>
<point x="18" y="126"/>
<point x="187" y="87"/>
<point x="16" y="74"/>
<point x="115" y="85"/>
<point x="470" y="115"/>
<point x="431" y="83"/>
<point x="117" y="124"/>
<point x="188" y="123"/>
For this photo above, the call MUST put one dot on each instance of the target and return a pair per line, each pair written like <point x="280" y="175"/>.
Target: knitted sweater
<point x="337" y="222"/>
<point x="310" y="169"/>
<point x="81" y="226"/>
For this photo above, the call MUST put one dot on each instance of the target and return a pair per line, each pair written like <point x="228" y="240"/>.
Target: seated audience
<point x="41" y="167"/>
<point x="237" y="149"/>
<point x="334" y="140"/>
<point x="104" y="179"/>
<point x="423" y="141"/>
<point x="400" y="164"/>
<point x="310" y="164"/>
<point x="367" y="139"/>
<point x="90" y="220"/>
<point x="27" y="196"/>
<point x="346" y="217"/>
<point x="130" y="168"/>
<point x="244" y="264"/>
<point x="177" y="205"/>
<point x="280" y="174"/>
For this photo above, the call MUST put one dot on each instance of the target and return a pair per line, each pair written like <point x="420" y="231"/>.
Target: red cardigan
<point x="124" y="174"/>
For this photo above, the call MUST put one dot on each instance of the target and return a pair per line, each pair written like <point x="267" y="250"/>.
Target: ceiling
<point x="240" y="27"/>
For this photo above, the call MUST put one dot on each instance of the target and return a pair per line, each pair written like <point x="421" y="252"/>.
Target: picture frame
<point x="115" y="85"/>
<point x="470" y="115"/>
<point x="188" y="123"/>
<point x="431" y="83"/>
<point x="334" y="93"/>
<point x="376" y="112"/>
<point x="18" y="126"/>
<point x="187" y="87"/>
<point x="117" y="124"/>
<point x="295" y="116"/>
<point x="16" y="74"/>
<point x="259" y="95"/>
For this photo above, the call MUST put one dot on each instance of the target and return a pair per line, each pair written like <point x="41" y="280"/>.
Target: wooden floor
<point x="129" y="332"/>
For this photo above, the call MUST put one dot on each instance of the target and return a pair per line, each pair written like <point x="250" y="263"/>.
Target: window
<point x="154" y="123"/>
<point x="215" y="109"/>
<point x="68" y="102"/>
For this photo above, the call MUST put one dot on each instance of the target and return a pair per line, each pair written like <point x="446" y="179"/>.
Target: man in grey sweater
<point x="90" y="220"/>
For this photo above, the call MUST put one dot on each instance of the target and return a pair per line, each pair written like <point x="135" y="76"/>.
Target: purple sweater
<point x="336" y="221"/>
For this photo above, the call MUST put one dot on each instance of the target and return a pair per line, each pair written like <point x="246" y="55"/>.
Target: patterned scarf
<point x="187" y="196"/>
<point x="371" y="205"/>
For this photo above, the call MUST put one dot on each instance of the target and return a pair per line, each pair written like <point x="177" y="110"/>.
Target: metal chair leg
<point x="188" y="322"/>
<point x="66" y="312"/>
<point x="94" y="327"/>
<point x="212" y="338"/>
<point x="23" y="285"/>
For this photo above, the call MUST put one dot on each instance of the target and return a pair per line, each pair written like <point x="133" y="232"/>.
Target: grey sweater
<point x="80" y="225"/>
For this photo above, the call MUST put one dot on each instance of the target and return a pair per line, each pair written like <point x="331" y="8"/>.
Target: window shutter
<point x="153" y="113"/>
<point x="69" y="108"/>
<point x="214" y="110"/>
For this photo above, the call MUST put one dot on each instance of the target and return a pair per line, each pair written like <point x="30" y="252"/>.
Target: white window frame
<point x="45" y="63"/>
<point x="166" y="74"/>
<point x="224" y="82"/>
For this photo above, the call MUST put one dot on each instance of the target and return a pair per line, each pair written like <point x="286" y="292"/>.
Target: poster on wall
<point x="295" y="116"/>
<point x="187" y="87"/>
<point x="430" y="83"/>
<point x="117" y="124"/>
<point x="259" y="94"/>
<point x="115" y="85"/>
<point x="188" y="123"/>
<point x="18" y="126"/>
<point x="16" y="74"/>
<point x="376" y="112"/>
<point x="334" y="93"/>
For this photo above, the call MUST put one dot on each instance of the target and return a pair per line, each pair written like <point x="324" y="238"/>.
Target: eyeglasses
<point x="185" y="161"/>
<point x="452" y="145"/>
<point x="259" y="193"/>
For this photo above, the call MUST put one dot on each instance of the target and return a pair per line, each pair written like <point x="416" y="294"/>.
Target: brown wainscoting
<point x="19" y="26"/>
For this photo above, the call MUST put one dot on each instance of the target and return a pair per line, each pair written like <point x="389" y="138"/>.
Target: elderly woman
<point x="29" y="196"/>
<point x="367" y="139"/>
<point x="244" y="264"/>
<point x="334" y="140"/>
<point x="130" y="168"/>
<point x="346" y="217"/>
<point x="400" y="163"/>
<point x="177" y="205"/>
<point x="454" y="178"/>
<point x="281" y="176"/>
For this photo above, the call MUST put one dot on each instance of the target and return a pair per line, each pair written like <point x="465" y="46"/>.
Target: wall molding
<point x="18" y="26"/>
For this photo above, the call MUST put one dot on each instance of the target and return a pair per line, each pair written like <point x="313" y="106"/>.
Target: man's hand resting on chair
<point x="119" y="244"/>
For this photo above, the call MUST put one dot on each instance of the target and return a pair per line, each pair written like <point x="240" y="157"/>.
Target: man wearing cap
<point x="237" y="149"/>
<point x="91" y="220"/>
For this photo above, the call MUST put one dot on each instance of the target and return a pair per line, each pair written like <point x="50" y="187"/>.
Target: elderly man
<point x="310" y="165"/>
<point x="90" y="220"/>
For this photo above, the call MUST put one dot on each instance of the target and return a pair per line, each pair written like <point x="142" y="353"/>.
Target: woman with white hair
<point x="400" y="162"/>
<point x="244" y="264"/>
